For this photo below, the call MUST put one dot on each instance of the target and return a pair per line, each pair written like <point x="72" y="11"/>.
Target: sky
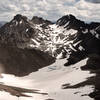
<point x="88" y="10"/>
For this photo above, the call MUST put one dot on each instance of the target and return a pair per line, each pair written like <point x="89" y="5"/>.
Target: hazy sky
<point x="88" y="10"/>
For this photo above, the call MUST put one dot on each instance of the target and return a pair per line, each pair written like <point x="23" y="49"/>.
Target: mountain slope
<point x="50" y="80"/>
<point x="2" y="23"/>
<point x="29" y="45"/>
<point x="15" y="56"/>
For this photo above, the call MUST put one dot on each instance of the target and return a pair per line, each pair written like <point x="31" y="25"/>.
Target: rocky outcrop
<point x="40" y="20"/>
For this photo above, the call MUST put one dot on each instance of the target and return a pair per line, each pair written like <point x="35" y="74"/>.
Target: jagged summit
<point x="17" y="32"/>
<point x="20" y="17"/>
<point x="70" y="21"/>
<point x="63" y="20"/>
<point x="40" y="20"/>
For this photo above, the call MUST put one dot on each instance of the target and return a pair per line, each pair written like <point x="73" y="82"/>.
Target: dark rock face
<point x="90" y="45"/>
<point x="72" y="22"/>
<point x="19" y="17"/>
<point x="75" y="57"/>
<point x="15" y="31"/>
<point x="21" y="62"/>
<point x="40" y="20"/>
<point x="93" y="62"/>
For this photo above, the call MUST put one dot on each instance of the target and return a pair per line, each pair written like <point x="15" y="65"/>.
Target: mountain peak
<point x="20" y="17"/>
<point x="70" y="16"/>
<point x="63" y="20"/>
<point x="40" y="20"/>
<point x="16" y="32"/>
<point x="70" y="21"/>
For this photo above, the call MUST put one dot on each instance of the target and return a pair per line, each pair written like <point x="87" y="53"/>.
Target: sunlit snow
<point x="50" y="80"/>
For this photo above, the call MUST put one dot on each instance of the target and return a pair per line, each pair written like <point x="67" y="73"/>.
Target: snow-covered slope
<point x="50" y="80"/>
<point x="55" y="39"/>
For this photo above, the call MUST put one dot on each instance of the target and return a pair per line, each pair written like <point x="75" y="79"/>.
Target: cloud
<point x="94" y="1"/>
<point x="88" y="10"/>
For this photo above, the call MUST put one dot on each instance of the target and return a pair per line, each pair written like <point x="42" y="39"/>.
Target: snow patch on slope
<point x="52" y="38"/>
<point x="50" y="80"/>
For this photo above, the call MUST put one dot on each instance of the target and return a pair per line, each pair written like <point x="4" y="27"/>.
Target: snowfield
<point x="53" y="37"/>
<point x="50" y="80"/>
